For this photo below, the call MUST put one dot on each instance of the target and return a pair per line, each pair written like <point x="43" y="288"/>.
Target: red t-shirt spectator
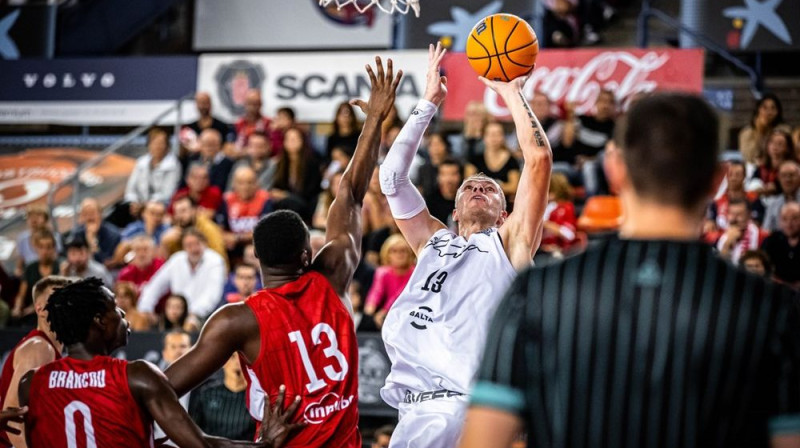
<point x="244" y="128"/>
<point x="137" y="276"/>
<point x="562" y="214"/>
<point x="210" y="198"/>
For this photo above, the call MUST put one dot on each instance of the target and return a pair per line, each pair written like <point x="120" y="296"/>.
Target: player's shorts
<point x="432" y="423"/>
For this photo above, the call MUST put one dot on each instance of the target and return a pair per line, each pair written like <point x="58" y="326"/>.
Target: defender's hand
<point x="384" y="88"/>
<point x="275" y="426"/>
<point x="436" y="87"/>
<point x="10" y="415"/>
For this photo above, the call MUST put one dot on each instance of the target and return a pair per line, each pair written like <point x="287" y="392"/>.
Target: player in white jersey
<point x="435" y="331"/>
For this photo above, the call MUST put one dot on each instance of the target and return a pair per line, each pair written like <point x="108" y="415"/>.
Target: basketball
<point x="502" y="47"/>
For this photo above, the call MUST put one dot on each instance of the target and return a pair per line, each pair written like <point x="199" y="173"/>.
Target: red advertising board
<point x="578" y="76"/>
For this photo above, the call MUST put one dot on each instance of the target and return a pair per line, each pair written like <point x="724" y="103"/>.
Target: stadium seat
<point x="601" y="214"/>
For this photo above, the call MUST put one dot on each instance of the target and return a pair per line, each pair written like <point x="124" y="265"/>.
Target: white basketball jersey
<point x="436" y="330"/>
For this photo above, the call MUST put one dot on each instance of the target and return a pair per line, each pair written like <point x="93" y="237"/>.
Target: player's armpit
<point x="232" y="328"/>
<point x="489" y="428"/>
<point x="24" y="396"/>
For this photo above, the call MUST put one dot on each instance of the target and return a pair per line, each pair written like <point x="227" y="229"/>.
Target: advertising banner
<point x="287" y="24"/>
<point x="373" y="363"/>
<point x="578" y="76"/>
<point x="97" y="91"/>
<point x="451" y="23"/>
<point x="745" y="25"/>
<point x="311" y="83"/>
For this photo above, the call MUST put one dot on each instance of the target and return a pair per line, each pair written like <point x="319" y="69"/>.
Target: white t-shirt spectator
<point x="201" y="286"/>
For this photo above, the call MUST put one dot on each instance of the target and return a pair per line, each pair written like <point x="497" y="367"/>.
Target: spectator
<point x="377" y="220"/>
<point x="143" y="265"/>
<point x="176" y="343"/>
<point x="383" y="436"/>
<point x="252" y="121"/>
<point x="186" y="214"/>
<point x="783" y="245"/>
<point x="796" y="142"/>
<point x="340" y="158"/>
<point x="151" y="225"/>
<point x="779" y="149"/>
<point x="196" y="272"/>
<point x="47" y="264"/>
<point x="438" y="150"/>
<point x="767" y="116"/>
<point x="205" y="120"/>
<point x="717" y="218"/>
<point x="346" y="130"/>
<point x="320" y="218"/>
<point x="284" y="120"/>
<point x="298" y="176"/>
<point x="211" y="155"/>
<point x="560" y="25"/>
<point x="241" y="210"/>
<point x="586" y="136"/>
<point x="742" y="233"/>
<point x="249" y="257"/>
<point x="244" y="279"/>
<point x="364" y="323"/>
<point x="79" y="262"/>
<point x="155" y="177"/>
<point x="441" y="200"/>
<point x="126" y="295"/>
<point x="789" y="181"/>
<point x="259" y="158"/>
<point x="198" y="187"/>
<point x="102" y="237"/>
<point x="756" y="262"/>
<point x="397" y="265"/>
<point x="497" y="161"/>
<point x="175" y="314"/>
<point x="560" y="222"/>
<point x="476" y="117"/>
<point x="220" y="407"/>
<point x="37" y="218"/>
<point x="543" y="109"/>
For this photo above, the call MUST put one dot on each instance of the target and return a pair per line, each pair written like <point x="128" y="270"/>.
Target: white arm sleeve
<point x="404" y="199"/>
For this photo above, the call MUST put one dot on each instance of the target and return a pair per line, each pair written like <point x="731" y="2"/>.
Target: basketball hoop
<point x="400" y="6"/>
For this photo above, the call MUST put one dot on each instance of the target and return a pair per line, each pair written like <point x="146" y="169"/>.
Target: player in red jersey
<point x="36" y="349"/>
<point x="298" y="330"/>
<point x="91" y="399"/>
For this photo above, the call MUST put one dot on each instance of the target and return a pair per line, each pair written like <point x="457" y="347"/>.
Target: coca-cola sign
<point x="578" y="76"/>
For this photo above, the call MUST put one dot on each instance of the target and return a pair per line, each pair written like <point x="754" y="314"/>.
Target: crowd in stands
<point x="179" y="245"/>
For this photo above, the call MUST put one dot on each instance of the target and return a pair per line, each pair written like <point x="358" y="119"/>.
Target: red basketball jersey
<point x="86" y="404"/>
<point x="8" y="372"/>
<point x="308" y="343"/>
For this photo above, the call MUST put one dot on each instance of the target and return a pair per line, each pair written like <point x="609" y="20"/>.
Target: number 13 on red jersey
<point x="334" y="373"/>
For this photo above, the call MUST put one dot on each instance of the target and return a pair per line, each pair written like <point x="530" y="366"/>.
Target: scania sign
<point x="311" y="83"/>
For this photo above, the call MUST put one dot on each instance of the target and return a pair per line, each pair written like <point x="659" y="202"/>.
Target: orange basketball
<point x="502" y="47"/>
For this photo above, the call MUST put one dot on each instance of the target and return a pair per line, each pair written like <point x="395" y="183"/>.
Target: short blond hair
<point x="394" y="241"/>
<point x="51" y="281"/>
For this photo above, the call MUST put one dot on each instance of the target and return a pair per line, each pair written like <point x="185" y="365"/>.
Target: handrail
<point x="756" y="83"/>
<point x="74" y="178"/>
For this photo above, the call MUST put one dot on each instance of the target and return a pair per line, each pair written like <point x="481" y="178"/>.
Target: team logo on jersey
<point x="421" y="317"/>
<point x="445" y="249"/>
<point x="315" y="413"/>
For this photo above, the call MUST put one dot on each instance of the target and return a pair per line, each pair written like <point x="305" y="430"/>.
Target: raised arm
<point x="339" y="257"/>
<point x="522" y="230"/>
<point x="406" y="203"/>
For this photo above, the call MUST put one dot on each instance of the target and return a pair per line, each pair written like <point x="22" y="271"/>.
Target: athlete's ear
<point x="455" y="215"/>
<point x="502" y="218"/>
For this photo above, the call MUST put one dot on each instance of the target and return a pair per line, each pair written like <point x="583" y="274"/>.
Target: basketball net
<point x="400" y="6"/>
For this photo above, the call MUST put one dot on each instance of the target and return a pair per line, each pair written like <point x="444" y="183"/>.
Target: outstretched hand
<point x="275" y="426"/>
<point x="504" y="89"/>
<point x="384" y="87"/>
<point x="9" y="415"/>
<point x="436" y="85"/>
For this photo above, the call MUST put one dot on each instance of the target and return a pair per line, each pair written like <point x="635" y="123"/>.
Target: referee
<point x="649" y="340"/>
